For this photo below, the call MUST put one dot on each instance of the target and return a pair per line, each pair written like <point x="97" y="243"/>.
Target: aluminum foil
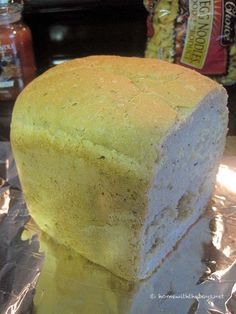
<point x="197" y="277"/>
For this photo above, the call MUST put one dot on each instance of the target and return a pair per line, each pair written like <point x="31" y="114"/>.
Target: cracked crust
<point x="139" y="99"/>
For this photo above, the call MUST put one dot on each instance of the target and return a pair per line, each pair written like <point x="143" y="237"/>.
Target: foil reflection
<point x="226" y="177"/>
<point x="4" y="201"/>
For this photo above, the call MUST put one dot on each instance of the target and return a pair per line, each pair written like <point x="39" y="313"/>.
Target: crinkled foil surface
<point x="197" y="277"/>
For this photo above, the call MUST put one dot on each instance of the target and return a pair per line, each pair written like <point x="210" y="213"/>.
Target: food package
<point x="199" y="34"/>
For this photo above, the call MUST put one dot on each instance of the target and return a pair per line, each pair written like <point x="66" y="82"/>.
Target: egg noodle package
<point x="199" y="34"/>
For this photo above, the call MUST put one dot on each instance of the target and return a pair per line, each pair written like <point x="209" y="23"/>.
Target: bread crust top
<point x="114" y="107"/>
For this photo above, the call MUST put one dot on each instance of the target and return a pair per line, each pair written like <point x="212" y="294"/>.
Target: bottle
<point x="17" y="64"/>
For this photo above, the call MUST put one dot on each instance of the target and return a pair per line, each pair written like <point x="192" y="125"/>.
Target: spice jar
<point x="17" y="65"/>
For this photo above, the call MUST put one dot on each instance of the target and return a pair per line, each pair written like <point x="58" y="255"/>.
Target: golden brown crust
<point x="139" y="99"/>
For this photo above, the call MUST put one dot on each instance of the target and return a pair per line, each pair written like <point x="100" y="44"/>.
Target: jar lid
<point x="9" y="12"/>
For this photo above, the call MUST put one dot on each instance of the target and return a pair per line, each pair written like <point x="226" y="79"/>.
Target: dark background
<point x="69" y="29"/>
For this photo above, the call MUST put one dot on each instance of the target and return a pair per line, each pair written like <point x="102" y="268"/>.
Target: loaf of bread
<point x="117" y="156"/>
